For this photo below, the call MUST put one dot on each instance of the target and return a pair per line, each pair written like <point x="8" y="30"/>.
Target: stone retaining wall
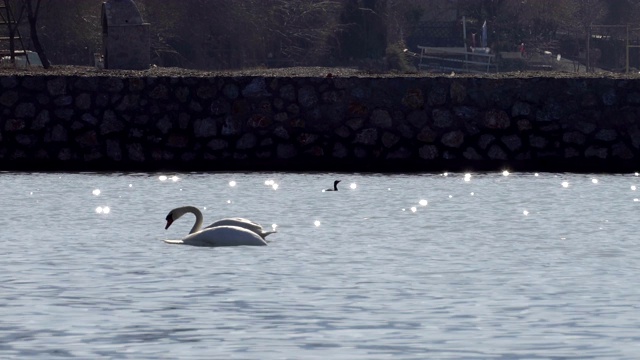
<point x="335" y="124"/>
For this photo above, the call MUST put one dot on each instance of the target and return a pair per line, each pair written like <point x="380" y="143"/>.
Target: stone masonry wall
<point x="336" y="124"/>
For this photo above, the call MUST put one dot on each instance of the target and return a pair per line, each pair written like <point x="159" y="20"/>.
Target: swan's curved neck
<point x="195" y="211"/>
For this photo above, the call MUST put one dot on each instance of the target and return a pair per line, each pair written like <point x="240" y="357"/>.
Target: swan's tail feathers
<point x="265" y="233"/>
<point x="180" y="242"/>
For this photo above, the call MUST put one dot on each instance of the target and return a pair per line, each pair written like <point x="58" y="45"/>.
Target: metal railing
<point x="456" y="59"/>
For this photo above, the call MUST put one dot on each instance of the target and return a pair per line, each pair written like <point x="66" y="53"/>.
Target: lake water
<point x="524" y="266"/>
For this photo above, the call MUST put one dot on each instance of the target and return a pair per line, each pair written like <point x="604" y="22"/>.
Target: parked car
<point x="21" y="59"/>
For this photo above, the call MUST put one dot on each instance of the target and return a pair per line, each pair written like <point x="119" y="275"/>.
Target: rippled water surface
<point x="391" y="266"/>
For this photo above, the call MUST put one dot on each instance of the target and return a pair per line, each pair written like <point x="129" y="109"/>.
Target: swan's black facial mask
<point x="169" y="221"/>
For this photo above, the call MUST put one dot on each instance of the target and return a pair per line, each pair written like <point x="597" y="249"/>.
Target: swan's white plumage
<point x="177" y="213"/>
<point x="221" y="236"/>
<point x="224" y="232"/>
<point x="243" y="223"/>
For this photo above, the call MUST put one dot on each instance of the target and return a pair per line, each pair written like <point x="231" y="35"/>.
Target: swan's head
<point x="173" y="215"/>
<point x="170" y="220"/>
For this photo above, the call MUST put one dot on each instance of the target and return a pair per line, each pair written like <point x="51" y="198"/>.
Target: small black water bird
<point x="335" y="186"/>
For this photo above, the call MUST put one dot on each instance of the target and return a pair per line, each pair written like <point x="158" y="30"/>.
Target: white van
<point x="21" y="60"/>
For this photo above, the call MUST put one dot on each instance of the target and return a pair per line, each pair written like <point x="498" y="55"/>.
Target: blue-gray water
<point x="510" y="267"/>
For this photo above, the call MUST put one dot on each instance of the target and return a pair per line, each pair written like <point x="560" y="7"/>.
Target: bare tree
<point x="231" y="34"/>
<point x="175" y="25"/>
<point x="13" y="17"/>
<point x="70" y="30"/>
<point x="585" y="14"/>
<point x="33" y="10"/>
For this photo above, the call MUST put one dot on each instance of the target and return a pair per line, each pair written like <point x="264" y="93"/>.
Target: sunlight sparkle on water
<point x="316" y="223"/>
<point x="414" y="209"/>
<point x="423" y="202"/>
<point x="536" y="174"/>
<point x="174" y="178"/>
<point x="232" y="183"/>
<point x="633" y="187"/>
<point x="525" y="213"/>
<point x="228" y="201"/>
<point x="353" y="186"/>
<point x="274" y="226"/>
<point x="467" y="177"/>
<point x="595" y="181"/>
<point x="565" y="184"/>
<point x="103" y="210"/>
<point x="275" y="186"/>
<point x="269" y="182"/>
<point x="96" y="192"/>
<point x="162" y="178"/>
<point x="505" y="173"/>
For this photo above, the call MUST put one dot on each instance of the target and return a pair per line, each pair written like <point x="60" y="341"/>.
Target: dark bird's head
<point x="169" y="220"/>
<point x="335" y="186"/>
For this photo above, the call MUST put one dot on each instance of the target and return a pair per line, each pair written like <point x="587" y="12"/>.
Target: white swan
<point x="221" y="236"/>
<point x="177" y="213"/>
<point x="335" y="186"/>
